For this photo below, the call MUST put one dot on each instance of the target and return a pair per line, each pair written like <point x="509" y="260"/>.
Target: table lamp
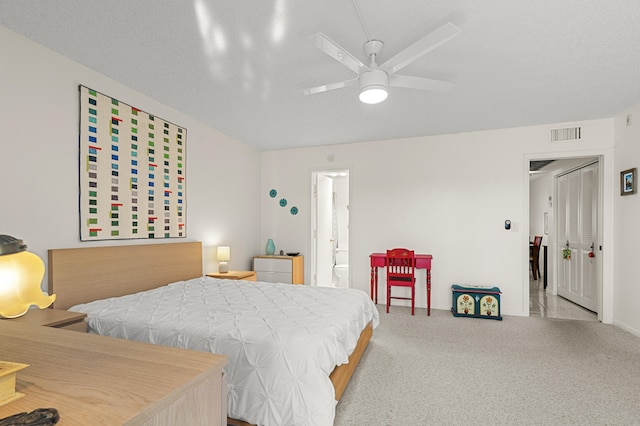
<point x="223" y="256"/>
<point x="21" y="274"/>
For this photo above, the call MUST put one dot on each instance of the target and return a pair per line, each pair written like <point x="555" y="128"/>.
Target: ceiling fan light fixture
<point x="373" y="86"/>
<point x="373" y="95"/>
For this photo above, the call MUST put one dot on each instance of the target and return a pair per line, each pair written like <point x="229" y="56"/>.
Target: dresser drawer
<point x="274" y="277"/>
<point x="279" y="269"/>
<point x="272" y="265"/>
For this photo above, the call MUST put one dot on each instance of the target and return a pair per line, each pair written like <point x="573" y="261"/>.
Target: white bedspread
<point x="282" y="340"/>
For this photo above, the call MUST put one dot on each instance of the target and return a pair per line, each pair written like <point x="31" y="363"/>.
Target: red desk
<point x="379" y="260"/>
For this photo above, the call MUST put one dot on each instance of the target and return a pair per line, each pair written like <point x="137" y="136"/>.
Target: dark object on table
<point x="39" y="417"/>
<point x="293" y="253"/>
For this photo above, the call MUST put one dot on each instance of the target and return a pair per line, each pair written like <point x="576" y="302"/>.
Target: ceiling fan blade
<point x="334" y="50"/>
<point x="328" y="87"/>
<point x="419" y="83"/>
<point x="425" y="45"/>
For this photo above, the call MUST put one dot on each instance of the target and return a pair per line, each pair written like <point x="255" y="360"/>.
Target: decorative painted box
<point x="476" y="302"/>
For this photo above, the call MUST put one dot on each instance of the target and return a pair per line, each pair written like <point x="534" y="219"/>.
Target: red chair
<point x="401" y="273"/>
<point x="534" y="256"/>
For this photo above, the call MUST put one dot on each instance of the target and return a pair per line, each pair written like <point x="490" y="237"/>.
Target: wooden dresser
<point x="96" y="380"/>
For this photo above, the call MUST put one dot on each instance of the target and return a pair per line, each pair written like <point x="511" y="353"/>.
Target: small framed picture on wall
<point x="628" y="182"/>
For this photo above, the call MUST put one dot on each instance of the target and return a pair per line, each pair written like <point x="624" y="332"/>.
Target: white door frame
<point x="313" y="270"/>
<point x="606" y="192"/>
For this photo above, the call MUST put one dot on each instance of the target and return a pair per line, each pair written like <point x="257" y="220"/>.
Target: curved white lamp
<point x="21" y="275"/>
<point x="223" y="255"/>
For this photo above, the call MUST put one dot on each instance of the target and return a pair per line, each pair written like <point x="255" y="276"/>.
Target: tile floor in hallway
<point x="546" y="305"/>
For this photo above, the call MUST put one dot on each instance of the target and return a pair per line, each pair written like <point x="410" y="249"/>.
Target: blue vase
<point x="271" y="247"/>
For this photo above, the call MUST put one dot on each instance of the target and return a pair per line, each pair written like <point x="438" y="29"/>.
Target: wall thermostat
<point x="507" y="224"/>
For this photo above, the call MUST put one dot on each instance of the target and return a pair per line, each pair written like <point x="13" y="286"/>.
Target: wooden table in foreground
<point x="379" y="260"/>
<point x="96" y="380"/>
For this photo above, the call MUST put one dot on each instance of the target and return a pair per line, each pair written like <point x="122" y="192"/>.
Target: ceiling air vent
<point x="567" y="134"/>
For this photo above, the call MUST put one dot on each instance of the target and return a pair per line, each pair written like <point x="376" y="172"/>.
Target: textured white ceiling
<point x="236" y="64"/>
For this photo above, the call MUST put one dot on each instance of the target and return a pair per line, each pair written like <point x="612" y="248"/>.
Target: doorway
<point x="330" y="228"/>
<point x="564" y="188"/>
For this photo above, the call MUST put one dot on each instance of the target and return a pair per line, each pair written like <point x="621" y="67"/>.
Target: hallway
<point x="544" y="305"/>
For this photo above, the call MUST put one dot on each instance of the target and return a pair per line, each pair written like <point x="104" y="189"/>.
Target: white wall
<point x="39" y="112"/>
<point x="627" y="225"/>
<point x="540" y="191"/>
<point x="444" y="195"/>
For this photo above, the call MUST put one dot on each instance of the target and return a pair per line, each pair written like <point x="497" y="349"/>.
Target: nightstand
<point x="235" y="275"/>
<point x="54" y="318"/>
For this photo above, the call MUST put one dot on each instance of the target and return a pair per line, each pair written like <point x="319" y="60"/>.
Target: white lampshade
<point x="223" y="255"/>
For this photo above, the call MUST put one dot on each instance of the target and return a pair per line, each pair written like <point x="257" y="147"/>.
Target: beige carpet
<point x="443" y="370"/>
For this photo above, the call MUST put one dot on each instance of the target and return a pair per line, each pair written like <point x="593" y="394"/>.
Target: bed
<point x="291" y="349"/>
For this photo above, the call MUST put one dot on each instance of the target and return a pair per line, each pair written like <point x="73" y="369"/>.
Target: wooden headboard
<point x="80" y="275"/>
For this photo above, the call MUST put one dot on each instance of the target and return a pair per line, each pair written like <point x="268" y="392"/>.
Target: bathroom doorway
<point x="330" y="228"/>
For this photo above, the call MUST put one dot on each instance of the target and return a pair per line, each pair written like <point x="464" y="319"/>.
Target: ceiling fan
<point x="374" y="79"/>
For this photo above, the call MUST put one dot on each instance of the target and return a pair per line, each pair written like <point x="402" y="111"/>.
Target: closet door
<point x="564" y="267"/>
<point x="577" y="231"/>
<point x="588" y="235"/>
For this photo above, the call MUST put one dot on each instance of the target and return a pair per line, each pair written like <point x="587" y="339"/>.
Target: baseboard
<point x="625" y="327"/>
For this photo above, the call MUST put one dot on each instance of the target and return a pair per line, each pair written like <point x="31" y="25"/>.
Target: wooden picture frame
<point x="628" y="182"/>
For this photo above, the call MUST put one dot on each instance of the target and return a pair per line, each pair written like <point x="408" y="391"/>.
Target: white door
<point x="323" y="231"/>
<point x="577" y="234"/>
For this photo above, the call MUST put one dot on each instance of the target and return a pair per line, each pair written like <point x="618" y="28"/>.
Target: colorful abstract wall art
<point x="132" y="172"/>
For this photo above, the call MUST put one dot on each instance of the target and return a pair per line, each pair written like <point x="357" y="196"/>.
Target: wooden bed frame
<point x="81" y="275"/>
